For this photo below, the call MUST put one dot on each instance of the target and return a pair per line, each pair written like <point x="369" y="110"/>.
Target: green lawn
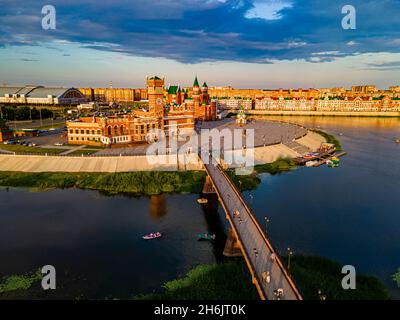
<point x="24" y="149"/>
<point x="83" y="151"/>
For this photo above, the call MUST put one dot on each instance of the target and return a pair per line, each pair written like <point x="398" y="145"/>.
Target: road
<point x="256" y="248"/>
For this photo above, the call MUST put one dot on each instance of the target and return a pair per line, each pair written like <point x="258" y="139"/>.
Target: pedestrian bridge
<point x="267" y="271"/>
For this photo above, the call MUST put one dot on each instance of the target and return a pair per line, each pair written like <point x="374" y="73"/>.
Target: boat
<point x="152" y="236"/>
<point x="206" y="236"/>
<point x="332" y="164"/>
<point x="311" y="163"/>
<point x="202" y="201"/>
<point x="398" y="141"/>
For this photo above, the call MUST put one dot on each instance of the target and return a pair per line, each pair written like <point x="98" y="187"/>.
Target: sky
<point x="241" y="43"/>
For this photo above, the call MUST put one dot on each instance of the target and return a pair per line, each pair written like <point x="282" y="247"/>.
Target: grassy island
<point x="252" y="181"/>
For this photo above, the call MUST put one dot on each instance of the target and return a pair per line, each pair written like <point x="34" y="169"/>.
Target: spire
<point x="196" y="82"/>
<point x="205" y="85"/>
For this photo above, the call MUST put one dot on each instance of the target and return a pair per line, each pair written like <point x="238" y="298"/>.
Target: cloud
<point x="267" y="9"/>
<point x="28" y="60"/>
<point x="384" y="66"/>
<point x="192" y="31"/>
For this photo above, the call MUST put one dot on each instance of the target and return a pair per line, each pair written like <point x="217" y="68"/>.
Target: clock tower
<point x="155" y="92"/>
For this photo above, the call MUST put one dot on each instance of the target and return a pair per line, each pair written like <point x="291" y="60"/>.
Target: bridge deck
<point x="255" y="246"/>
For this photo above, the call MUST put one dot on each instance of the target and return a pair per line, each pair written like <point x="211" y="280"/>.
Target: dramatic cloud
<point x="192" y="31"/>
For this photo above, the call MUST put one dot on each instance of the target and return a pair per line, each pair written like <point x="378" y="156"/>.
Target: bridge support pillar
<point x="232" y="245"/>
<point x="208" y="187"/>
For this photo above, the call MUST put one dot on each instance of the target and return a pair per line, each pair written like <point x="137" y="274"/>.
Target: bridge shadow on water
<point x="215" y="225"/>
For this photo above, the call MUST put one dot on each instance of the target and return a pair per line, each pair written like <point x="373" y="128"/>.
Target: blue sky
<point x="243" y="43"/>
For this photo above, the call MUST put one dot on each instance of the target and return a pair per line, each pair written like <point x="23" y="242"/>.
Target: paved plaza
<point x="266" y="133"/>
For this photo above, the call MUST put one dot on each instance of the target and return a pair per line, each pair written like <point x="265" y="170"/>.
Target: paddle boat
<point x="333" y="162"/>
<point x="206" y="236"/>
<point x="202" y="201"/>
<point x="152" y="236"/>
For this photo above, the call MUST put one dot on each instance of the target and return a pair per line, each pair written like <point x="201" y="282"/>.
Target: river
<point x="350" y="214"/>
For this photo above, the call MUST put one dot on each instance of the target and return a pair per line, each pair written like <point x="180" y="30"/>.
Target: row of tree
<point x="12" y="113"/>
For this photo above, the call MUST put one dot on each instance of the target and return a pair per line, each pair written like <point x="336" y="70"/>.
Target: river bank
<point x="136" y="183"/>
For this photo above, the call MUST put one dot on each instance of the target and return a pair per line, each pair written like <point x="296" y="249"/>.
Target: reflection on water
<point x="158" y="206"/>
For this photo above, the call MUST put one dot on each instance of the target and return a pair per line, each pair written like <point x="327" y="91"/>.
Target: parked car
<point x="59" y="144"/>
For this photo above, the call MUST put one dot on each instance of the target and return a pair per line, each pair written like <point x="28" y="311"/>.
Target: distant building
<point x="364" y="89"/>
<point x="117" y="95"/>
<point x="5" y="132"/>
<point x="234" y="104"/>
<point x="41" y="95"/>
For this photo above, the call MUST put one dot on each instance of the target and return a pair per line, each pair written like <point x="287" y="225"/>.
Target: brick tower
<point x="155" y="93"/>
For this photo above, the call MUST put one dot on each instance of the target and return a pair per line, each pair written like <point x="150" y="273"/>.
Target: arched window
<point x="116" y="130"/>
<point x="122" y="130"/>
<point x="109" y="131"/>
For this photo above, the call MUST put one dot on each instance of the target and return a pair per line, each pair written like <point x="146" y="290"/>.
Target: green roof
<point x="155" y="78"/>
<point x="196" y="82"/>
<point x="205" y="85"/>
<point x="174" y="89"/>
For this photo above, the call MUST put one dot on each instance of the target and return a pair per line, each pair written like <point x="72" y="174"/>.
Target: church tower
<point x="196" y="99"/>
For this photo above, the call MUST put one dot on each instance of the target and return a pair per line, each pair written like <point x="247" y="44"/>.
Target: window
<point x="82" y="131"/>
<point x="92" y="131"/>
<point x="87" y="131"/>
<point x="76" y="131"/>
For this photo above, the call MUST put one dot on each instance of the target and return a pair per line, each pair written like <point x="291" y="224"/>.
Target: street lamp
<point x="322" y="297"/>
<point x="290" y="253"/>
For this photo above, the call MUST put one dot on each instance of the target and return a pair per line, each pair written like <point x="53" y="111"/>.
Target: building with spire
<point x="171" y="110"/>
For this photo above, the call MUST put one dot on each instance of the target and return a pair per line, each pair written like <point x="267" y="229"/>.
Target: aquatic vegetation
<point x="19" y="282"/>
<point x="396" y="277"/>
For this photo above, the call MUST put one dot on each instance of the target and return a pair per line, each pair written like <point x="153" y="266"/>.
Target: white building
<point x="41" y="95"/>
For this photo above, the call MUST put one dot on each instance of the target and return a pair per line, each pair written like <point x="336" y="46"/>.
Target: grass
<point x="329" y="138"/>
<point x="83" y="151"/>
<point x="313" y="273"/>
<point x="55" y="126"/>
<point x="251" y="182"/>
<point x="19" y="282"/>
<point x="227" y="281"/>
<point x="231" y="281"/>
<point x="138" y="183"/>
<point x="25" y="149"/>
